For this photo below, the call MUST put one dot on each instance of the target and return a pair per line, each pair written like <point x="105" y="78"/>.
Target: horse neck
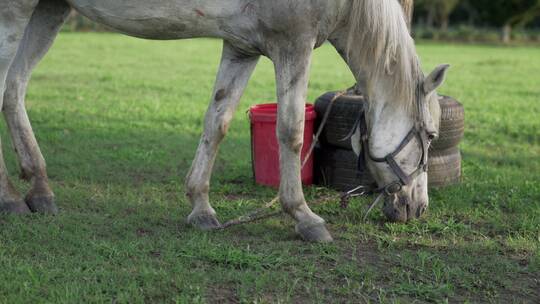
<point x="379" y="41"/>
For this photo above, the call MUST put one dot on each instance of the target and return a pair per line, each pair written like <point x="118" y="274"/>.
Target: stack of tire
<point x="336" y="164"/>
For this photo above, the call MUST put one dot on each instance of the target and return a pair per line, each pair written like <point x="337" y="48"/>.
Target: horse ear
<point x="436" y="78"/>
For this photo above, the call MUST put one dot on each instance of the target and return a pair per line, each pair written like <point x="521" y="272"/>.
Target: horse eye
<point x="433" y="135"/>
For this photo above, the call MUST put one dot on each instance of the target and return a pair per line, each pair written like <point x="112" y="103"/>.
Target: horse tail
<point x="379" y="40"/>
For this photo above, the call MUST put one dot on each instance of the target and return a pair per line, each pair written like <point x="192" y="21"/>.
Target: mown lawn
<point x="119" y="119"/>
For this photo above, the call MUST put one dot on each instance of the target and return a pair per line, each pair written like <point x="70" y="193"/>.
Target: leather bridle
<point x="403" y="179"/>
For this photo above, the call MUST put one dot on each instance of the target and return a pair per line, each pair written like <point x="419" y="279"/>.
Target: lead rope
<point x="375" y="203"/>
<point x="262" y="213"/>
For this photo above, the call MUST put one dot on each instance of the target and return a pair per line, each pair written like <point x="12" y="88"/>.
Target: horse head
<point x="396" y="145"/>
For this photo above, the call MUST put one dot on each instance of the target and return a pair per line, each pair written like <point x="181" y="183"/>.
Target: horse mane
<point x="380" y="42"/>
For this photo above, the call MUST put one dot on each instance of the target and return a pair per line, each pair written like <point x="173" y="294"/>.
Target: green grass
<point x="118" y="120"/>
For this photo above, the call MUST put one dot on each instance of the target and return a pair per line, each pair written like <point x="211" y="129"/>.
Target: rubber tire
<point x="444" y="167"/>
<point x="337" y="168"/>
<point x="452" y="124"/>
<point x="346" y="109"/>
<point x="341" y="119"/>
<point x="336" y="163"/>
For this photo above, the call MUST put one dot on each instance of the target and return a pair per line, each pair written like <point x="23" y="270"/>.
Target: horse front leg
<point x="234" y="73"/>
<point x="44" y="25"/>
<point x="292" y="75"/>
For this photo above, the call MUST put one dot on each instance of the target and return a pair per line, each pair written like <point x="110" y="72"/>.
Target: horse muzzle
<point x="402" y="208"/>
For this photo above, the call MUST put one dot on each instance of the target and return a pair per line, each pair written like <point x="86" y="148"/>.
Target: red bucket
<point x="265" y="147"/>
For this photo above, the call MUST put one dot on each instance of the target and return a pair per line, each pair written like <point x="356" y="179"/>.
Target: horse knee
<point x="291" y="136"/>
<point x="223" y="128"/>
<point x="218" y="121"/>
<point x="13" y="94"/>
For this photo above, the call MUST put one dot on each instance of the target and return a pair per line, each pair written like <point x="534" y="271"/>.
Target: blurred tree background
<point x="478" y="20"/>
<point x="491" y="21"/>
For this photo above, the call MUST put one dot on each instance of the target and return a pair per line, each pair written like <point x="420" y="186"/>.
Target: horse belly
<point x="150" y="19"/>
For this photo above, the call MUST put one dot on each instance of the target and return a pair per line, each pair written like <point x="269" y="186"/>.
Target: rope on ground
<point x="264" y="213"/>
<point x="253" y="216"/>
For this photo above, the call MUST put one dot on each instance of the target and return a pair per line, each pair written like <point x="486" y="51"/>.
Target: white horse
<point x="371" y="36"/>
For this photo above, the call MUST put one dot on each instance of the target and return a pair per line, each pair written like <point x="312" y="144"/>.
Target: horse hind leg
<point x="292" y="75"/>
<point x="234" y="73"/>
<point x="43" y="27"/>
<point x="14" y="17"/>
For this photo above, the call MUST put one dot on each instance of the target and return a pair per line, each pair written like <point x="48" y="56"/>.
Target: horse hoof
<point x="204" y="221"/>
<point x="14" y="208"/>
<point x="314" y="232"/>
<point x="42" y="204"/>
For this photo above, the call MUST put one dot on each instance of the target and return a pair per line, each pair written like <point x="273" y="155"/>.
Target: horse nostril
<point x="403" y="201"/>
<point x="408" y="208"/>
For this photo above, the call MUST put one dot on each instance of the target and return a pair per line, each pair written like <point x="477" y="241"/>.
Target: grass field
<point x="118" y="120"/>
